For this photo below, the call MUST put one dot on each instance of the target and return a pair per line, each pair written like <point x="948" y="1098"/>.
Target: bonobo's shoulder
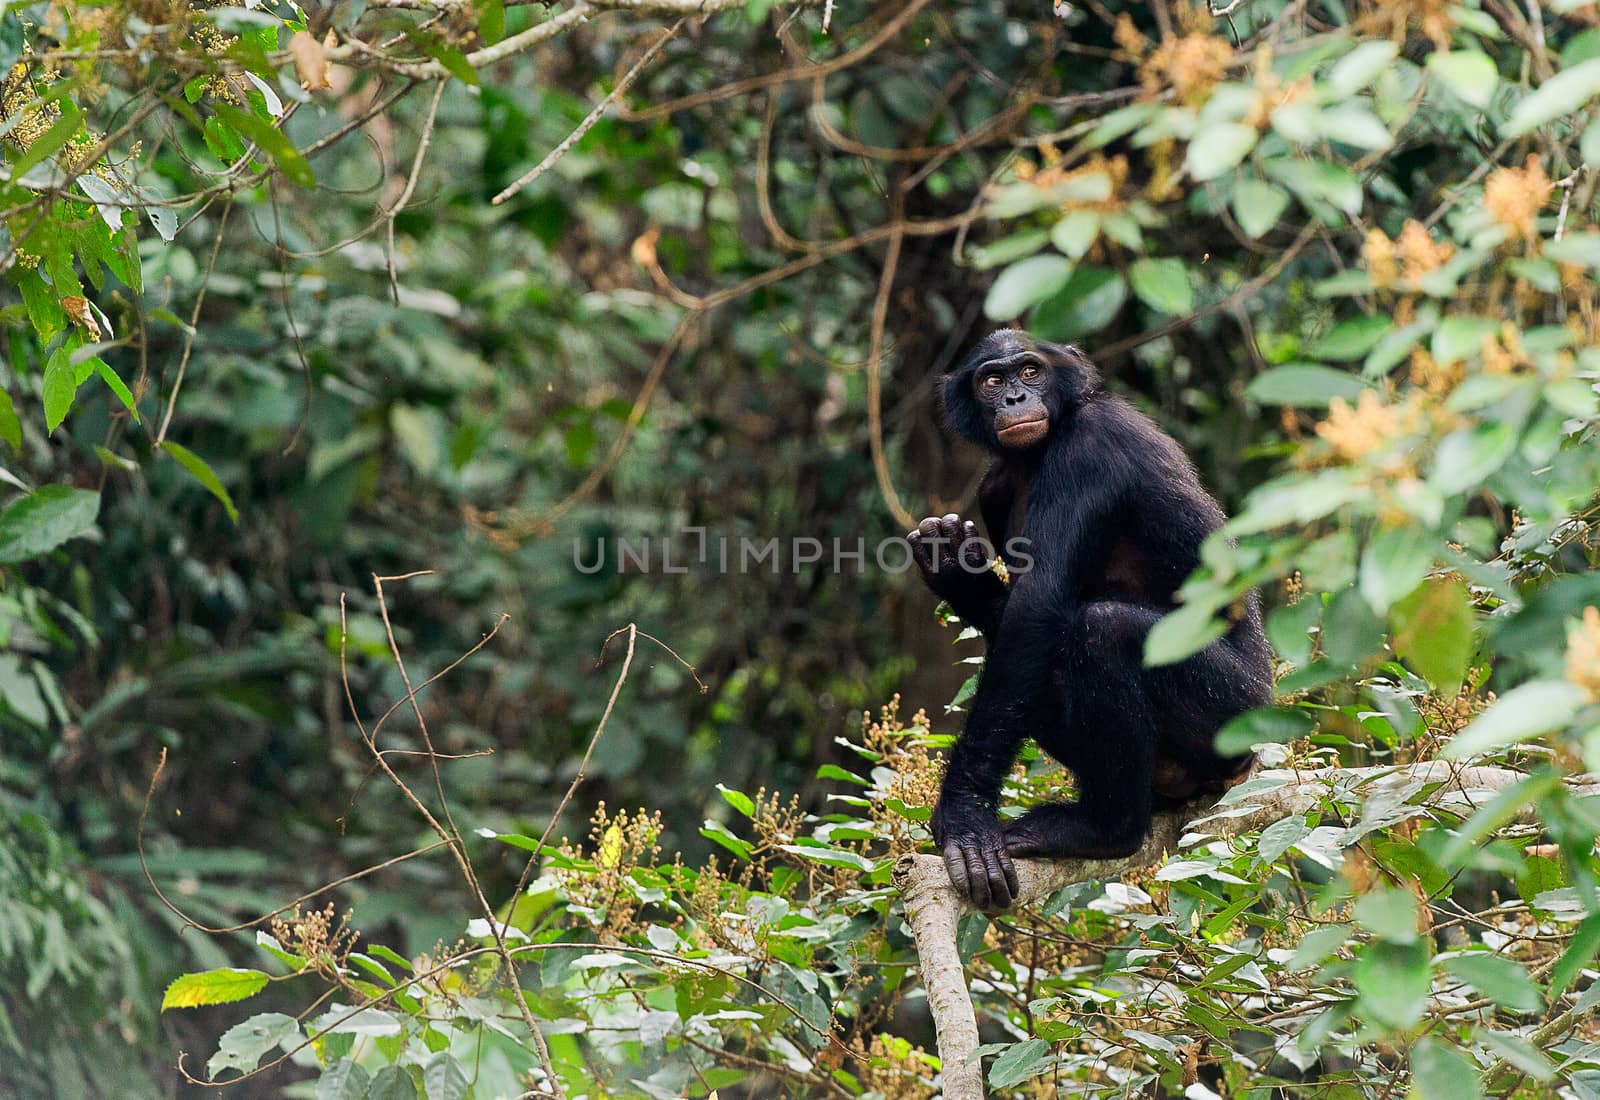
<point x="1116" y="416"/>
<point x="1115" y="423"/>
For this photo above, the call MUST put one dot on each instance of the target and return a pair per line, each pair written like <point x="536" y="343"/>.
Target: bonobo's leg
<point x="1118" y="716"/>
<point x="954" y="562"/>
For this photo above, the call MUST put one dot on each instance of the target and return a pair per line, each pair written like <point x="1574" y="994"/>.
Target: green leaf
<point x="718" y="832"/>
<point x="1318" y="944"/>
<point x="1361" y="66"/>
<point x="1257" y="206"/>
<point x="1275" y="840"/>
<point x="1297" y="499"/>
<point x="1393" y="980"/>
<point x="491" y="28"/>
<point x="1518" y="1052"/>
<point x="44" y="307"/>
<point x="1579" y="953"/>
<point x="1024" y="284"/>
<point x="213" y="987"/>
<point x="1462" y="337"/>
<point x="1123" y="228"/>
<point x="344" y="1080"/>
<point x="1121" y="122"/>
<point x="1589" y="144"/>
<point x="1087" y="303"/>
<point x="1441" y="1072"/>
<point x="1431" y="630"/>
<point x="1467" y="457"/>
<point x="1076" y="232"/>
<point x="1350" y="339"/>
<point x="1350" y="631"/>
<point x="1319" y="181"/>
<point x="1504" y="981"/>
<point x="1561" y="95"/>
<point x="1393" y="564"/>
<point x="834" y="771"/>
<point x="1525" y="711"/>
<point x="224" y="144"/>
<point x="202" y="473"/>
<point x="1162" y="285"/>
<point x="50" y="142"/>
<point x="1304" y="384"/>
<point x="243" y="1044"/>
<point x="43" y="520"/>
<point x="392" y="1083"/>
<point x="1218" y="148"/>
<point x="1352" y="124"/>
<point x="10" y="426"/>
<point x="271" y="141"/>
<point x="1008" y="249"/>
<point x="1020" y="1062"/>
<point x="11" y="40"/>
<point x="1496" y="813"/>
<point x="60" y="388"/>
<point x="1574" y="248"/>
<point x="1470" y="74"/>
<point x="1393" y="348"/>
<point x="1182" y="633"/>
<point x="118" y="386"/>
<point x="1264" y="725"/>
<point x="738" y="800"/>
<point x="968" y="688"/>
<point x="1389" y="914"/>
<point x="444" y="1078"/>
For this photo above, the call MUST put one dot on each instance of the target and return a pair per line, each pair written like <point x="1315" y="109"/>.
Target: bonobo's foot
<point x="1064" y="830"/>
<point x="975" y="857"/>
<point x="953" y="559"/>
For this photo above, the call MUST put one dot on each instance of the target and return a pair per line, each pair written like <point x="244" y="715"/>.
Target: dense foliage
<point x="306" y="298"/>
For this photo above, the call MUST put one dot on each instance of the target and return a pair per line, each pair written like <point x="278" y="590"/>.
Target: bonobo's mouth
<point x="1024" y="433"/>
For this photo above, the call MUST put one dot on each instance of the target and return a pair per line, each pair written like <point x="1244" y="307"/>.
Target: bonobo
<point x="1113" y="515"/>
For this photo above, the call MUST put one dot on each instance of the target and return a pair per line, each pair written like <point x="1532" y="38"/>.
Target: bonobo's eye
<point x="1029" y="373"/>
<point x="990" y="381"/>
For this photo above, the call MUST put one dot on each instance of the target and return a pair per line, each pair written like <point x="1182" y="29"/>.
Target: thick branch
<point x="933" y="907"/>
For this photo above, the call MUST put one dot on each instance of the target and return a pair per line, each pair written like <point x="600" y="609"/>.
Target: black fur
<point x="1114" y="514"/>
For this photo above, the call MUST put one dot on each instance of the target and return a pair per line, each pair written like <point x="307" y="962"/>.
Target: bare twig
<point x="193" y="329"/>
<point x="590" y="119"/>
<point x="410" y="189"/>
<point x="880" y="311"/>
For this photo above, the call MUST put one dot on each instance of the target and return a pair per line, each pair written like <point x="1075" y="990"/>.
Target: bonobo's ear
<point x="1076" y="377"/>
<point x="958" y="404"/>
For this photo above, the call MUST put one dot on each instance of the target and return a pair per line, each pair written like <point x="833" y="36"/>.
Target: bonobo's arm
<point x="954" y="563"/>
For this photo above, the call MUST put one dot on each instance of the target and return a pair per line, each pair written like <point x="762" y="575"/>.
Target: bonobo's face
<point x="1012" y="390"/>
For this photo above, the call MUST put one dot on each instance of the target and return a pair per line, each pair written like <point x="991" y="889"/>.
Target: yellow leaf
<point x="213" y="987"/>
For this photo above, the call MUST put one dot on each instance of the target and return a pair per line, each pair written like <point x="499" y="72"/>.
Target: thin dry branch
<point x="590" y="119"/>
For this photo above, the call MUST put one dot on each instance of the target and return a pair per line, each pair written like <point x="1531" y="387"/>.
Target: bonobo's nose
<point x="1016" y="397"/>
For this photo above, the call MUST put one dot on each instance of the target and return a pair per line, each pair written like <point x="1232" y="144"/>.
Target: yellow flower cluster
<point x="1191" y="65"/>
<point x="1583" y="652"/>
<point x="1405" y="259"/>
<point x="1392" y="18"/>
<point x="1514" y="196"/>
<point x="1367" y="427"/>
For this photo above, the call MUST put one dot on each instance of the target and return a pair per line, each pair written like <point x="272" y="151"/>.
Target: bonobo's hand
<point x="953" y="559"/>
<point x="975" y="855"/>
